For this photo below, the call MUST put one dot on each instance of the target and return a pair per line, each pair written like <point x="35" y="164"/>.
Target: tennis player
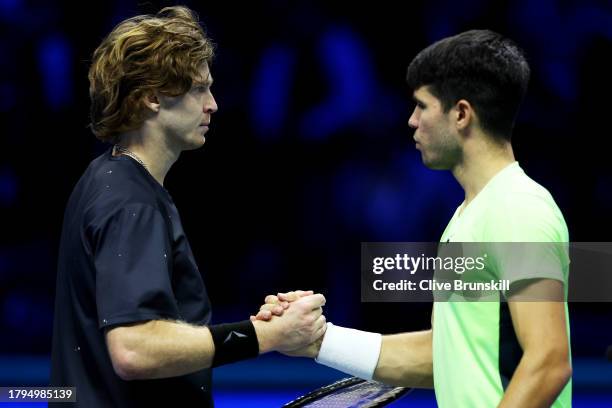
<point x="132" y="315"/>
<point x="468" y="89"/>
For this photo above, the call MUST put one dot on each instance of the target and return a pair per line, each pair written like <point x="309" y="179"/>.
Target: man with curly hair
<point x="132" y="316"/>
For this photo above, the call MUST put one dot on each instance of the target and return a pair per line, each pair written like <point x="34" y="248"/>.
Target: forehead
<point x="423" y="94"/>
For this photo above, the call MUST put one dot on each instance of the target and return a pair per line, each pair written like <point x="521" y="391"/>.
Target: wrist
<point x="264" y="336"/>
<point x="316" y="348"/>
<point x="234" y="342"/>
<point x="352" y="351"/>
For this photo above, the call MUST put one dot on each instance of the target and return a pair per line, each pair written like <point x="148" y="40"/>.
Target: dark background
<point x="310" y="153"/>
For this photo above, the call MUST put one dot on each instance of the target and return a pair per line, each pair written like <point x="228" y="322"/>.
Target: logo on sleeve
<point x="233" y="336"/>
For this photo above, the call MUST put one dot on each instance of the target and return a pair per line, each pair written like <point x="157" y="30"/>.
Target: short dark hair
<point x="481" y="66"/>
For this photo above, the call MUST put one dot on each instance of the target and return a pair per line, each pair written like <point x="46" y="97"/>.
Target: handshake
<point x="291" y="323"/>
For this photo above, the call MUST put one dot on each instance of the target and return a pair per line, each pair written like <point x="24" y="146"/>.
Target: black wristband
<point x="234" y="342"/>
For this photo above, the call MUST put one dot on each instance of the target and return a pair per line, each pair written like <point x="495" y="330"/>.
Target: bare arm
<point x="160" y="349"/>
<point x="545" y="367"/>
<point x="406" y="360"/>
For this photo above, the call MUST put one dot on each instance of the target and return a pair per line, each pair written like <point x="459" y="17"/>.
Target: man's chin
<point x="200" y="142"/>
<point x="435" y="165"/>
<point x="195" y="143"/>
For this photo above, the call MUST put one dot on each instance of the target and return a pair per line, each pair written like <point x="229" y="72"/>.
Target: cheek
<point x="425" y="126"/>
<point x="189" y="115"/>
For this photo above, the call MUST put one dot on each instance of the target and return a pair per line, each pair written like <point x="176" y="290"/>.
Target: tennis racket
<point x="350" y="392"/>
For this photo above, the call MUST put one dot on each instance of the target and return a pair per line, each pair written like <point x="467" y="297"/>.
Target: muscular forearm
<point x="160" y="349"/>
<point x="406" y="360"/>
<point x="537" y="381"/>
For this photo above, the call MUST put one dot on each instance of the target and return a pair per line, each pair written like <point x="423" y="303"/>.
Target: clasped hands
<point x="305" y="324"/>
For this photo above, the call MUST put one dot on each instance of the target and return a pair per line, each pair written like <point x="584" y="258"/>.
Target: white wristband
<point x="353" y="351"/>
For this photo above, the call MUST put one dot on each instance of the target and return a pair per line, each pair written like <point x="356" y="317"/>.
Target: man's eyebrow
<point x="418" y="101"/>
<point x="208" y="82"/>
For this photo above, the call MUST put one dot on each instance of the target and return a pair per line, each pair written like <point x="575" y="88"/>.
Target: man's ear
<point x="151" y="101"/>
<point x="464" y="114"/>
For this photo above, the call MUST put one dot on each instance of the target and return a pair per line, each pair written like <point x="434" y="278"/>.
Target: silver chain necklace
<point x="123" y="150"/>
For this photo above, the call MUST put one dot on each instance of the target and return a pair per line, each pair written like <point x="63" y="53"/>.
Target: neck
<point x="150" y="147"/>
<point x="482" y="160"/>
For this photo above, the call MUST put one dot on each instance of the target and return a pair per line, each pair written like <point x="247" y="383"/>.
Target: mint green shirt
<point x="470" y="339"/>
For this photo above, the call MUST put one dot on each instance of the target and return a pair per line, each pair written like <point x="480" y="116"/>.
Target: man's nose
<point x="413" y="121"/>
<point x="211" y="105"/>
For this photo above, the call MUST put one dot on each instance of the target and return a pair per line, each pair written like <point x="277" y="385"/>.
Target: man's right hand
<point x="275" y="305"/>
<point x="299" y="326"/>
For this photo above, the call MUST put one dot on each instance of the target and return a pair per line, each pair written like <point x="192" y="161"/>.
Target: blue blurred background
<point x="309" y="155"/>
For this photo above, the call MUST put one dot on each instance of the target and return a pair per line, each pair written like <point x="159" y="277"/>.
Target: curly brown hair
<point x="143" y="54"/>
